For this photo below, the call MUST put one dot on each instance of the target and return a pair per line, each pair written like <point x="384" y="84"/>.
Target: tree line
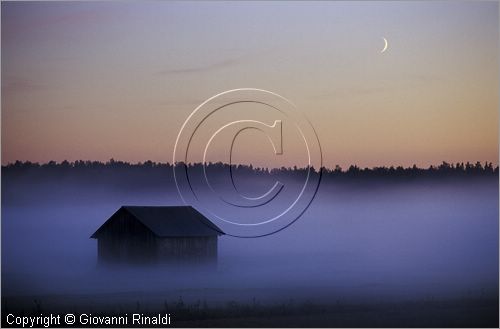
<point x="444" y="169"/>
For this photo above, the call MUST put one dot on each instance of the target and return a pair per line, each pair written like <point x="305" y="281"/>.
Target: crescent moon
<point x="385" y="45"/>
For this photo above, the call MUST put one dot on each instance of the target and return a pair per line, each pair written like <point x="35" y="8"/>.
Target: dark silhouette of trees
<point x="149" y="170"/>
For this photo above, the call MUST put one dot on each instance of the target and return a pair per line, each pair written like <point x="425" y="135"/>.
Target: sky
<point x="101" y="80"/>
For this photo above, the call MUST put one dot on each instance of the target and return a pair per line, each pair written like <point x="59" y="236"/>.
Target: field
<point x="412" y="253"/>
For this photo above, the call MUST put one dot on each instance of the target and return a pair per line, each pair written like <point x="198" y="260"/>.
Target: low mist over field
<point x="360" y="240"/>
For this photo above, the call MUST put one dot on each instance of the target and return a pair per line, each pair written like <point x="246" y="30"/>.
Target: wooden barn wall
<point x="125" y="239"/>
<point x="190" y="249"/>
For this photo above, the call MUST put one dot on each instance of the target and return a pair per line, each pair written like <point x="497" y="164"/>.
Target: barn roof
<point x="171" y="221"/>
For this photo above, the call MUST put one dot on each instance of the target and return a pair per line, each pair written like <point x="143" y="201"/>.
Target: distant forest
<point x="445" y="169"/>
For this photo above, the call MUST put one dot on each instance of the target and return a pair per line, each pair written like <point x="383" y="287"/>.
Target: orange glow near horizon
<point x="117" y="80"/>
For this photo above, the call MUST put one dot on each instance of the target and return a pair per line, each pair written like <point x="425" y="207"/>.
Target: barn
<point x="150" y="234"/>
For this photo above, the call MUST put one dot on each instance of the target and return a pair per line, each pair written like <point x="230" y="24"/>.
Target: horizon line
<point x="336" y="167"/>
